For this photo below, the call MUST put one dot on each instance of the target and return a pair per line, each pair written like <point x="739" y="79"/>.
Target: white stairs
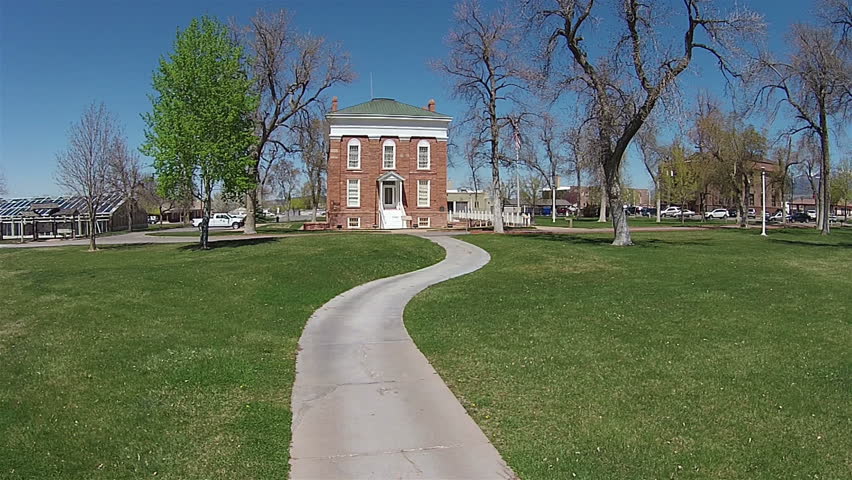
<point x="393" y="218"/>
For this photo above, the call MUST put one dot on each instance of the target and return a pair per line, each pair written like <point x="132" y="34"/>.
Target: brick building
<point x="712" y="198"/>
<point x="387" y="166"/>
<point x="584" y="196"/>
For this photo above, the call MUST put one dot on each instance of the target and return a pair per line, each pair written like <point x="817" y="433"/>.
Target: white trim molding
<point x="427" y="199"/>
<point x="354" y="142"/>
<point x="375" y="127"/>
<point x="392" y="144"/>
<point x="353" y="195"/>
<point x="421" y="144"/>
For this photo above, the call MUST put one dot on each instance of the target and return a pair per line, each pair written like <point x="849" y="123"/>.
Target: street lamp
<point x="763" y="200"/>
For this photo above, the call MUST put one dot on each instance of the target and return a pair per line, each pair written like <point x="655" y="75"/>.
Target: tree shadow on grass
<point x="805" y="243"/>
<point x="124" y="246"/>
<point x="222" y="244"/>
<point x="594" y="239"/>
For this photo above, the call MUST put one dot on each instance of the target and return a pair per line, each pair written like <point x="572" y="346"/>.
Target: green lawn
<point x="164" y="226"/>
<point x="693" y="355"/>
<point x="164" y="361"/>
<point x="270" y="228"/>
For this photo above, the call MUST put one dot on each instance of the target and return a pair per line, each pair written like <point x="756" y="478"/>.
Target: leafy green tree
<point x="681" y="177"/>
<point x="200" y="131"/>
<point x="841" y="186"/>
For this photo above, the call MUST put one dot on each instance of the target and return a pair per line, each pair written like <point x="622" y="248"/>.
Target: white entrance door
<point x="389" y="195"/>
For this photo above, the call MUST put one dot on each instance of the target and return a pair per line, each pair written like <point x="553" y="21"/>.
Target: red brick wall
<point x="371" y="169"/>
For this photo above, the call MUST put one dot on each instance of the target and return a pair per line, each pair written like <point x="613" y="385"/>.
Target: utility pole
<point x="763" y="200"/>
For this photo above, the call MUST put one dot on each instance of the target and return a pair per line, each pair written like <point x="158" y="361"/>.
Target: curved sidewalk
<point x="367" y="403"/>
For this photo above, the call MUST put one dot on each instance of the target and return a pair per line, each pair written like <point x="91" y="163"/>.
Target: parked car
<point x="649" y="212"/>
<point x="719" y="213"/>
<point x="670" y="212"/>
<point x="752" y="213"/>
<point x="687" y="213"/>
<point x="732" y="212"/>
<point x="799" y="217"/>
<point x="811" y="214"/>
<point x="777" y="216"/>
<point x="152" y="219"/>
<point x="221" y="220"/>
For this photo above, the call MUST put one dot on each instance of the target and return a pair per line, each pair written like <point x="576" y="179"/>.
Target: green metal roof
<point x="388" y="107"/>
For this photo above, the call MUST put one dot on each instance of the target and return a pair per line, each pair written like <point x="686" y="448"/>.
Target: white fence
<point x="484" y="218"/>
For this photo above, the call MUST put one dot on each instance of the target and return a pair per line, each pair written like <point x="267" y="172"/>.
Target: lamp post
<point x="763" y="200"/>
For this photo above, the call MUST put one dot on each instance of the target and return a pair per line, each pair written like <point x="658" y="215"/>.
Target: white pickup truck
<point x="221" y="220"/>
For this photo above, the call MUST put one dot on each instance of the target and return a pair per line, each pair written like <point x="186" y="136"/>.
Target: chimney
<point x="431" y="104"/>
<point x="333" y="104"/>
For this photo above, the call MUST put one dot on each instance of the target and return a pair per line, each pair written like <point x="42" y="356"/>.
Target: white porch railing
<point x="484" y="218"/>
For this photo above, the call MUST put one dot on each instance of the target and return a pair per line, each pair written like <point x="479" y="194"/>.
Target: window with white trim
<point x="389" y="155"/>
<point x="423" y="160"/>
<point x="353" y="222"/>
<point x="423" y="187"/>
<point x="424" y="222"/>
<point x="354" y="155"/>
<point x="353" y="193"/>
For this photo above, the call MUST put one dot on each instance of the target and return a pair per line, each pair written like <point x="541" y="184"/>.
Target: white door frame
<point x="395" y="197"/>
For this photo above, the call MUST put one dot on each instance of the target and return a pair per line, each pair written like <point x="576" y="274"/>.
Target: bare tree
<point x="286" y="178"/>
<point x="475" y="159"/>
<point x="552" y="159"/>
<point x="786" y="157"/>
<point x="816" y="83"/>
<point x="292" y="71"/>
<point x="809" y="151"/>
<point x="624" y="79"/>
<point x="83" y="168"/>
<point x="126" y="177"/>
<point x="652" y="157"/>
<point x="485" y="74"/>
<point x="313" y="145"/>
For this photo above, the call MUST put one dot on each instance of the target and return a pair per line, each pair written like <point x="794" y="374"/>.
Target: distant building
<point x="467" y="200"/>
<point x="63" y="217"/>
<point x="586" y="195"/>
<point x="387" y="166"/>
<point x="711" y="198"/>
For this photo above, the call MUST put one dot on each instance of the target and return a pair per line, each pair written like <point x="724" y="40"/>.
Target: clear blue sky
<point x="58" y="56"/>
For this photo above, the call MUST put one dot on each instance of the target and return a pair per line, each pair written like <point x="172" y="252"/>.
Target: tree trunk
<point x="824" y="171"/>
<point x="659" y="210"/>
<point x="602" y="209"/>
<point x="251" y="209"/>
<point x="743" y="204"/>
<point x="619" y="217"/>
<point x="579" y="190"/>
<point x="93" y="222"/>
<point x="205" y="220"/>
<point x="497" y="205"/>
<point x="129" y="214"/>
<point x="289" y="204"/>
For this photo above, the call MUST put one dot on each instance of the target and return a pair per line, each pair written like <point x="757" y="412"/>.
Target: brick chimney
<point x="333" y="104"/>
<point x="431" y="105"/>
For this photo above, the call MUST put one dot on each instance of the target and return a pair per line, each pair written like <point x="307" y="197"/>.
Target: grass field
<point x="693" y="355"/>
<point x="270" y="228"/>
<point x="163" y="361"/>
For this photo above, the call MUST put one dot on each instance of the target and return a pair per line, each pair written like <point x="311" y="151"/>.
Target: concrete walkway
<point x="368" y="405"/>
